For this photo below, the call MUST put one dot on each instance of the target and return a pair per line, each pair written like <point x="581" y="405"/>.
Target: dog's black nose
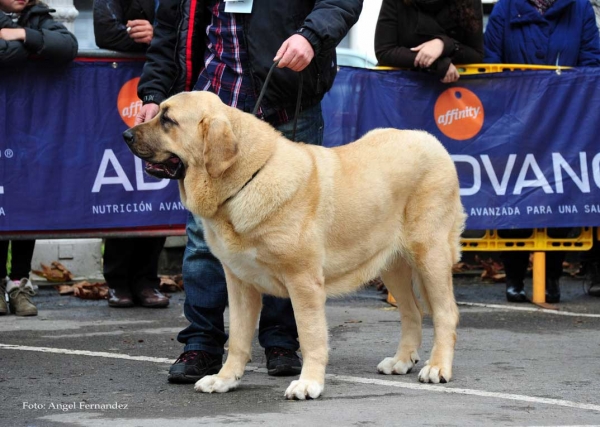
<point x="128" y="136"/>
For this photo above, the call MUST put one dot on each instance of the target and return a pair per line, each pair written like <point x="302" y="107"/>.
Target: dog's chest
<point x="246" y="266"/>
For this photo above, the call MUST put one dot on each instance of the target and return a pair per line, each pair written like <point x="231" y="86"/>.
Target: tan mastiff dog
<point x="308" y="222"/>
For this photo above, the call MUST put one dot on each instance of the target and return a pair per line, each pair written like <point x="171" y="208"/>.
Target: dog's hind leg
<point x="398" y="281"/>
<point x="308" y="299"/>
<point x="244" y="307"/>
<point x="434" y="264"/>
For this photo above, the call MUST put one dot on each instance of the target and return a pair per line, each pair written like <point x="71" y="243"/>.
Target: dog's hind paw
<point x="303" y="389"/>
<point x="215" y="384"/>
<point x="394" y="365"/>
<point x="434" y="374"/>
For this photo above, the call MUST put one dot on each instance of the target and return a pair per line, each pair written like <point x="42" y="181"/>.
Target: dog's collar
<point x="243" y="186"/>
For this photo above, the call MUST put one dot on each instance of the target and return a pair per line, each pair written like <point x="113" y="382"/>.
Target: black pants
<point x="516" y="262"/>
<point x="593" y="255"/>
<point x="21" y="255"/>
<point x="132" y="263"/>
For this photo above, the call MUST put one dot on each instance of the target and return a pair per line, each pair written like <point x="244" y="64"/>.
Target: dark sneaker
<point x="594" y="278"/>
<point x="282" y="362"/>
<point x="193" y="365"/>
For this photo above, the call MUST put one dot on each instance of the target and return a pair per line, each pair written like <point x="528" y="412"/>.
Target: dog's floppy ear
<point x="220" y="145"/>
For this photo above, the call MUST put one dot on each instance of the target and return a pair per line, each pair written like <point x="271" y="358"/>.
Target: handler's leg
<point x="244" y="307"/>
<point x="205" y="302"/>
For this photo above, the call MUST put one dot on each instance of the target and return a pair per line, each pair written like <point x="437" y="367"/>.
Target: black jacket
<point x="169" y="69"/>
<point x="45" y="38"/>
<point x="401" y="27"/>
<point x="110" y="17"/>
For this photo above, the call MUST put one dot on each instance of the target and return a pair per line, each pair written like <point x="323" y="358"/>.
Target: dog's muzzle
<point x="129" y="137"/>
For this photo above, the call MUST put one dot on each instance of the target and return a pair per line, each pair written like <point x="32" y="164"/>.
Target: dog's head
<point x="187" y="124"/>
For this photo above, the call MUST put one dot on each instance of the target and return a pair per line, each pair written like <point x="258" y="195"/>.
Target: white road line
<point x="451" y="390"/>
<point x="530" y="309"/>
<point x="86" y="353"/>
<point x="344" y="378"/>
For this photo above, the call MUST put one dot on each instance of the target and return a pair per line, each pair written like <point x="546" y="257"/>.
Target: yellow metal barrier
<point x="467" y="69"/>
<point x="490" y="240"/>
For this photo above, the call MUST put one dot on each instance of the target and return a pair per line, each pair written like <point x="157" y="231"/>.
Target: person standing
<point x="541" y="32"/>
<point x="27" y="33"/>
<point x="130" y="264"/>
<point x="431" y="35"/>
<point x="205" y="45"/>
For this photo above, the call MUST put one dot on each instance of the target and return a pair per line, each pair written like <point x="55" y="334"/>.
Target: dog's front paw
<point x="399" y="366"/>
<point x="303" y="389"/>
<point x="215" y="384"/>
<point x="433" y="373"/>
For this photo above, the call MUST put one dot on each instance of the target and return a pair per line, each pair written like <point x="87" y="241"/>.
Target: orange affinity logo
<point x="128" y="103"/>
<point x="458" y="113"/>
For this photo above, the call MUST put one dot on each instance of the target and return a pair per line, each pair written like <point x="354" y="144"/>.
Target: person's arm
<point x="470" y="50"/>
<point x="110" y="30"/>
<point x="493" y="38"/>
<point x="589" y="54"/>
<point x="387" y="51"/>
<point x="11" y="51"/>
<point x="50" y="40"/>
<point x="160" y="69"/>
<point x="329" y="22"/>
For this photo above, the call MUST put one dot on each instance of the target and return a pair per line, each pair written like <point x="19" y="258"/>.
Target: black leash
<point x="264" y="89"/>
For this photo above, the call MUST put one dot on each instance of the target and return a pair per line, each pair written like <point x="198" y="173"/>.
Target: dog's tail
<point x="456" y="232"/>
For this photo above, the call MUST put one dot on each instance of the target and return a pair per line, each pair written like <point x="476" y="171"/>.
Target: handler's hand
<point x="140" y="31"/>
<point x="9" y="34"/>
<point x="451" y="75"/>
<point x="295" y="53"/>
<point x="147" y="113"/>
<point x="428" y="52"/>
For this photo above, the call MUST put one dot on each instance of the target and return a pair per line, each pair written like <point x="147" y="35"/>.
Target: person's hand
<point x="140" y="31"/>
<point x="451" y="75"/>
<point x="428" y="52"/>
<point x="147" y="113"/>
<point x="295" y="53"/>
<point x="9" y="34"/>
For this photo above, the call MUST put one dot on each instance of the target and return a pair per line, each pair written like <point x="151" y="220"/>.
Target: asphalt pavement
<point x="81" y="363"/>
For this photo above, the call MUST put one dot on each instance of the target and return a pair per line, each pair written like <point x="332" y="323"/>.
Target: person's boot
<point x="515" y="267"/>
<point x="515" y="291"/>
<point x="594" y="278"/>
<point x="3" y="305"/>
<point x="19" y="297"/>
<point x="552" y="290"/>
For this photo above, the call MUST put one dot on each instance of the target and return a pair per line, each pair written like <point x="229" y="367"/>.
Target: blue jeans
<point x="204" y="279"/>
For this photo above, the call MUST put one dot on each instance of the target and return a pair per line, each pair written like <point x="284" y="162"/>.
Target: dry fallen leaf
<point x="87" y="290"/>
<point x="64" y="289"/>
<point x="55" y="273"/>
<point x="171" y="283"/>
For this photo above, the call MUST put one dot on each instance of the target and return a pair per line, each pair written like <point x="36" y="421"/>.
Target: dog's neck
<point x="242" y="187"/>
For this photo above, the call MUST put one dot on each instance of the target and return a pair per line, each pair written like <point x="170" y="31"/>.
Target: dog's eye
<point x="166" y="120"/>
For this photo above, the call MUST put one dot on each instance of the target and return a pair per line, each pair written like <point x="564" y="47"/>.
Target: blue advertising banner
<point x="63" y="162"/>
<point x="524" y="143"/>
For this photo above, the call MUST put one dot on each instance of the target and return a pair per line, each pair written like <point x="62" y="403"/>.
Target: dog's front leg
<point x="244" y="307"/>
<point x="308" y="299"/>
